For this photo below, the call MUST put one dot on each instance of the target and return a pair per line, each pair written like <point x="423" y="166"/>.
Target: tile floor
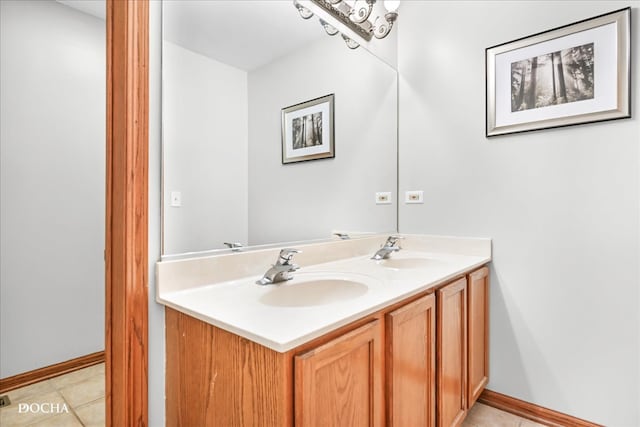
<point x="81" y="391"/>
<point x="486" y="416"/>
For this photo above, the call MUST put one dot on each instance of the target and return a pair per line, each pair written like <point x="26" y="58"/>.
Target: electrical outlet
<point x="383" y="198"/>
<point x="414" y="196"/>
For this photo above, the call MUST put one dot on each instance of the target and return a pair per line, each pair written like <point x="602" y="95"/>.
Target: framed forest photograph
<point x="578" y="73"/>
<point x="307" y="130"/>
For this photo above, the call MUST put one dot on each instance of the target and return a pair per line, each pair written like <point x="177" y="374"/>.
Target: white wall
<point x="52" y="140"/>
<point x="205" y="151"/>
<point x="562" y="207"/>
<point x="307" y="200"/>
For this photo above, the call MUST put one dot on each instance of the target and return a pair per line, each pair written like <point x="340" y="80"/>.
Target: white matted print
<point x="307" y="130"/>
<point x="575" y="74"/>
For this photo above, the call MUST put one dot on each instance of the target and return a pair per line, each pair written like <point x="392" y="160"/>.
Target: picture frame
<point x="574" y="74"/>
<point x="308" y="130"/>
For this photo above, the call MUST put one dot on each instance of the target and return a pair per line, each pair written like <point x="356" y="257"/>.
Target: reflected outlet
<point x="414" y="196"/>
<point x="383" y="198"/>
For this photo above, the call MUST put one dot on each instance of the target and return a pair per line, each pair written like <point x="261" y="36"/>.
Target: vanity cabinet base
<point x="411" y="364"/>
<point x="478" y="333"/>
<point x="421" y="361"/>
<point x="340" y="383"/>
<point x="216" y="378"/>
<point x="452" y="353"/>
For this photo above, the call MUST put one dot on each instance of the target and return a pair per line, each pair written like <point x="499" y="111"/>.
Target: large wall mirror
<point x="229" y="68"/>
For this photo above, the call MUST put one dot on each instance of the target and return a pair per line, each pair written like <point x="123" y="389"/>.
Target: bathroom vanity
<point x="406" y="344"/>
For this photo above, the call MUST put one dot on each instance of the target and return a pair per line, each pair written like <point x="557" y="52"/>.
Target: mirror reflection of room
<point x="225" y="86"/>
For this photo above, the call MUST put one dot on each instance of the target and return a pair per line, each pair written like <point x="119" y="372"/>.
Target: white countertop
<point x="259" y="313"/>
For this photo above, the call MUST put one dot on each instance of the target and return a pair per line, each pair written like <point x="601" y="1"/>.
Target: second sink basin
<point x="307" y="290"/>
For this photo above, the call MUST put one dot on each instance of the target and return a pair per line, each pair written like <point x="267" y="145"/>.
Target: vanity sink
<point x="314" y="290"/>
<point x="406" y="263"/>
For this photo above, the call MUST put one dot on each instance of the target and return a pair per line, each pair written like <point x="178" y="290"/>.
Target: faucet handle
<point x="287" y="254"/>
<point x="234" y="246"/>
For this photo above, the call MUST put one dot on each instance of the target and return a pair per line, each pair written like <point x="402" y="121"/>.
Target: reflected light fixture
<point x="357" y="16"/>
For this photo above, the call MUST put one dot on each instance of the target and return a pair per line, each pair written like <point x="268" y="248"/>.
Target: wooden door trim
<point x="126" y="251"/>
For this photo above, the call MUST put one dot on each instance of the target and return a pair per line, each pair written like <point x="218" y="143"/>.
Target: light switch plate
<point x="414" y="196"/>
<point x="176" y="199"/>
<point x="383" y="198"/>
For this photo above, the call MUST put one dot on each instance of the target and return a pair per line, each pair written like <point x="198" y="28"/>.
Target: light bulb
<point x="332" y="31"/>
<point x="304" y="12"/>
<point x="391" y="5"/>
<point x="351" y="44"/>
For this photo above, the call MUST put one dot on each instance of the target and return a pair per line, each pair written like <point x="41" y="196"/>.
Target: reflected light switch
<point x="176" y="199"/>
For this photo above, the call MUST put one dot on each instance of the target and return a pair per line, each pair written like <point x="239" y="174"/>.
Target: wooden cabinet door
<point x="452" y="353"/>
<point x="478" y="326"/>
<point x="411" y="364"/>
<point x="340" y="382"/>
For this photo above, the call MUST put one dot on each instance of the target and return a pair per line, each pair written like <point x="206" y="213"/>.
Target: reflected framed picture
<point x="578" y="73"/>
<point x="307" y="130"/>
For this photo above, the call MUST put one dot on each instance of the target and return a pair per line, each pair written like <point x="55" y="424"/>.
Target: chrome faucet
<point x="391" y="245"/>
<point x="279" y="272"/>
<point x="234" y="246"/>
